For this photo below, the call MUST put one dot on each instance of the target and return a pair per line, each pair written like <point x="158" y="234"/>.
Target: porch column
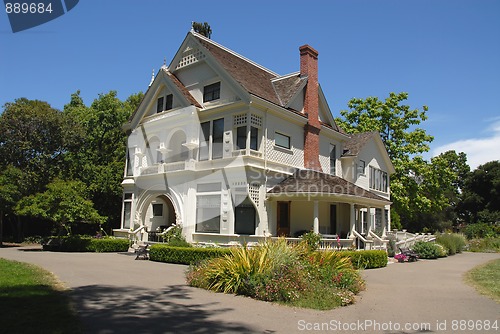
<point x="369" y="220"/>
<point x="384" y="230"/>
<point x="352" y="220"/>
<point x="316" y="217"/>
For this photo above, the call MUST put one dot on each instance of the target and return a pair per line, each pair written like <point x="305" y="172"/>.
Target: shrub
<point x="443" y="251"/>
<point x="454" y="243"/>
<point x="485" y="245"/>
<point x="367" y="259"/>
<point x="427" y="250"/>
<point x="481" y="230"/>
<point x="79" y="243"/>
<point x="311" y="239"/>
<point x="275" y="271"/>
<point x="108" y="245"/>
<point x="183" y="255"/>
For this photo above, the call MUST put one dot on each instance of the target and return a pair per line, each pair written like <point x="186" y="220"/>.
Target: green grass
<point x="32" y="301"/>
<point x="485" y="279"/>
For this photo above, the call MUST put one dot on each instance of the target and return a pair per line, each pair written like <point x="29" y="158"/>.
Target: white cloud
<point x="478" y="150"/>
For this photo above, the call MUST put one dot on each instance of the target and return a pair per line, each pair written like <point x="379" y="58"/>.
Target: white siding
<point x="293" y="156"/>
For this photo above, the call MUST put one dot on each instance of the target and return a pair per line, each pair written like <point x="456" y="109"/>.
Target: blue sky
<point x="445" y="54"/>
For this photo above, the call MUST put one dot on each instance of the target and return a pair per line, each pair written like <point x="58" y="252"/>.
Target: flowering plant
<point x="400" y="257"/>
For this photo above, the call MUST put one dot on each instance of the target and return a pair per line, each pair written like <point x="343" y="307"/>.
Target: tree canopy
<point x="202" y="28"/>
<point x="418" y="188"/>
<point x="83" y="144"/>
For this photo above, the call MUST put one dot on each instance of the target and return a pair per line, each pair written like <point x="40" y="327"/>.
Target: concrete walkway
<point x="115" y="294"/>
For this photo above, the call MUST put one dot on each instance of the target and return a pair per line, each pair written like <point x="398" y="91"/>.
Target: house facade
<point x="234" y="152"/>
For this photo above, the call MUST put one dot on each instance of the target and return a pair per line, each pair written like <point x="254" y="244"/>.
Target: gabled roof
<point x="287" y="87"/>
<point x="254" y="78"/>
<point x="313" y="183"/>
<point x="356" y="142"/>
<point x="170" y="80"/>
<point x="182" y="88"/>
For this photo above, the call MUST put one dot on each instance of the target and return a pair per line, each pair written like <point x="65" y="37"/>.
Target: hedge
<point x="184" y="255"/>
<point x="86" y="244"/>
<point x="367" y="259"/>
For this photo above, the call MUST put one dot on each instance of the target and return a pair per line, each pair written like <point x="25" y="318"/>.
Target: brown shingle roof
<point x="310" y="182"/>
<point x="287" y="87"/>
<point x="356" y="142"/>
<point x="253" y="78"/>
<point x="182" y="89"/>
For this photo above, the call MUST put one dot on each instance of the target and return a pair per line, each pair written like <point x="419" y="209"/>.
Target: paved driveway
<point x="115" y="294"/>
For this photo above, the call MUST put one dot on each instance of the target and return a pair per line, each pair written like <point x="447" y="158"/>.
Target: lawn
<point x="485" y="279"/>
<point x="32" y="301"/>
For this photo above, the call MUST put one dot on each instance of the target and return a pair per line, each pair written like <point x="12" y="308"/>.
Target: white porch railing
<point x="134" y="235"/>
<point x="378" y="242"/>
<point x="404" y="239"/>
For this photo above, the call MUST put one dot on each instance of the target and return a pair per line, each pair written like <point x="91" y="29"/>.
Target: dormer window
<point x="211" y="92"/>
<point x="169" y="102"/>
<point x="159" y="104"/>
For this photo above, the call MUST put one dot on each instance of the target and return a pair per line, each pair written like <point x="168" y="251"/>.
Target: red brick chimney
<point x="309" y="68"/>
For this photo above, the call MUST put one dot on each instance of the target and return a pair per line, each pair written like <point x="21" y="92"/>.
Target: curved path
<point x="115" y="294"/>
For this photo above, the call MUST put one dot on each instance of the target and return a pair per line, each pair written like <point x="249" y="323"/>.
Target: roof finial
<point x="152" y="77"/>
<point x="164" y="61"/>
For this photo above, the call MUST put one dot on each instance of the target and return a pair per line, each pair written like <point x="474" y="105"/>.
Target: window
<point x="130" y="165"/>
<point x="244" y="218"/>
<point x="333" y="160"/>
<point x="361" y="167"/>
<point x="204" y="141"/>
<point x="127" y="210"/>
<point x="211" y="139"/>
<point x="217" y="138"/>
<point x="281" y="140"/>
<point x="157" y="210"/>
<point x="169" y="102"/>
<point x="208" y="213"/>
<point x="378" y="179"/>
<point x="211" y="92"/>
<point x="241" y="138"/>
<point x="254" y="138"/>
<point x="159" y="105"/>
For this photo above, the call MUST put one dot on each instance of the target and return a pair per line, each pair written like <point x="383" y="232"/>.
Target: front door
<point x="333" y="219"/>
<point x="283" y="219"/>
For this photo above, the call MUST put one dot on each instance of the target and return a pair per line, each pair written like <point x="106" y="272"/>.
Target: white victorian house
<point x="236" y="153"/>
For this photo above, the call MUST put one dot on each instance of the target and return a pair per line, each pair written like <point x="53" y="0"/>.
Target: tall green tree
<point x="31" y="140"/>
<point x="10" y="193"/>
<point x="64" y="202"/>
<point x="481" y="195"/>
<point x="99" y="161"/>
<point x="418" y="188"/>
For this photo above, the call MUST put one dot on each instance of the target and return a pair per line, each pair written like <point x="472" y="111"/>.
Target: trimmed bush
<point x="108" y="245"/>
<point x="79" y="243"/>
<point x="427" y="250"/>
<point x="366" y="259"/>
<point x="454" y="243"/>
<point x="184" y="255"/>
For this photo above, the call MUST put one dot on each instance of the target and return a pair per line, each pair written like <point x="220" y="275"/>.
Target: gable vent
<point x="189" y="57"/>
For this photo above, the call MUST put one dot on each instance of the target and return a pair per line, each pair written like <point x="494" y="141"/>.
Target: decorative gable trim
<point x="163" y="78"/>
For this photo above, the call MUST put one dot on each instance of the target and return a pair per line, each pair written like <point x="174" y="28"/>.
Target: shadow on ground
<point x="109" y="309"/>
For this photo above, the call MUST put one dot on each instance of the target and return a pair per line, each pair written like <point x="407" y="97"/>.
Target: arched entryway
<point x="159" y="214"/>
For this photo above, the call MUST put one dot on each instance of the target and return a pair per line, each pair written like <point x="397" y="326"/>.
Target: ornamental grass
<point x="278" y="272"/>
